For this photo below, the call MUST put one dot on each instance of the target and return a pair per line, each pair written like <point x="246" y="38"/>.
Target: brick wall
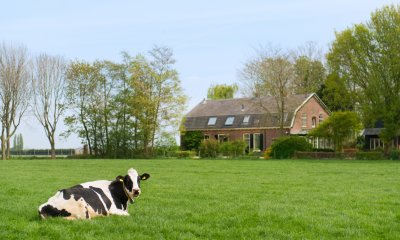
<point x="313" y="109"/>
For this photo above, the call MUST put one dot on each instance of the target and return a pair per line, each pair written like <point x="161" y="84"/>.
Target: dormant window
<point x="246" y="120"/>
<point x="212" y="121"/>
<point x="229" y="121"/>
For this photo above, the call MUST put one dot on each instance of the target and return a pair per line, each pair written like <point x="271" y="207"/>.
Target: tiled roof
<point x="262" y="112"/>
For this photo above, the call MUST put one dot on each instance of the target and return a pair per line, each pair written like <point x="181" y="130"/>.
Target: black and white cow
<point x="97" y="198"/>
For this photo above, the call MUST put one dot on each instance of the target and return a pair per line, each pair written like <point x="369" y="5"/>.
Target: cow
<point x="97" y="198"/>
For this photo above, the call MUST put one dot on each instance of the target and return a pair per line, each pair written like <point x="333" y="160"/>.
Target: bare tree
<point x="48" y="85"/>
<point x="270" y="73"/>
<point x="14" y="91"/>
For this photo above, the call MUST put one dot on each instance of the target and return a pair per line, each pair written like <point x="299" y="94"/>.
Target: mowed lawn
<point x="213" y="199"/>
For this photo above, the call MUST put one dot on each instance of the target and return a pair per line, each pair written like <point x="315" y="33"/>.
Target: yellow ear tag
<point x="121" y="180"/>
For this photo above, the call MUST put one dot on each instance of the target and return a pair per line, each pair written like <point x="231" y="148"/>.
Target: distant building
<point x="256" y="120"/>
<point x="373" y="141"/>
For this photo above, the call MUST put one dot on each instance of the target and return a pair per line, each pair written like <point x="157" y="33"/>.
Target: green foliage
<point x="285" y="147"/>
<point x="233" y="148"/>
<point x="192" y="199"/>
<point x="119" y="109"/>
<point x="335" y="94"/>
<point x="370" y="156"/>
<point x="183" y="154"/>
<point x="222" y="91"/>
<point x="322" y="150"/>
<point x="191" y="140"/>
<point x="340" y="127"/>
<point x="367" y="57"/>
<point x="18" y="143"/>
<point x="165" y="143"/>
<point x="209" y="148"/>
<point x="394" y="154"/>
<point x="309" y="75"/>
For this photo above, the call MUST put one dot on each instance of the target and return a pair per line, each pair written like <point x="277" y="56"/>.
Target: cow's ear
<point x="119" y="178"/>
<point x="144" y="176"/>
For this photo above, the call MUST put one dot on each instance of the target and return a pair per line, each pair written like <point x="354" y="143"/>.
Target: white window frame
<point x="313" y="122"/>
<point x="246" y="120"/>
<point x="230" y="122"/>
<point x="212" y="121"/>
<point x="246" y="139"/>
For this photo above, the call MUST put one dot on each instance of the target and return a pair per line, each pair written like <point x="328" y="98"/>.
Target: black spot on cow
<point x="117" y="193"/>
<point x="88" y="195"/>
<point x="106" y="200"/>
<point x="50" y="211"/>
<point x="128" y="183"/>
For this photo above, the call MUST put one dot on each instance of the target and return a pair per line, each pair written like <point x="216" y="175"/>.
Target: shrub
<point x="322" y="150"/>
<point x="225" y="148"/>
<point x="183" y="154"/>
<point x="395" y="155"/>
<point x="285" y="147"/>
<point x="191" y="140"/>
<point x="267" y="153"/>
<point x="209" y="148"/>
<point x="238" y="148"/>
<point x="370" y="156"/>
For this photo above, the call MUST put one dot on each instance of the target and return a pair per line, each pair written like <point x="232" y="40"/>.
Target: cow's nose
<point x="135" y="192"/>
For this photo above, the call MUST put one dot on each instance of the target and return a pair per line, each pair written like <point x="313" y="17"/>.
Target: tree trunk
<point x="8" y="148"/>
<point x="3" y="146"/>
<point x="53" y="150"/>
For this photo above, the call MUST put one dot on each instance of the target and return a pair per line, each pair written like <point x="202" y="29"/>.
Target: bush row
<point x="213" y="148"/>
<point x="394" y="155"/>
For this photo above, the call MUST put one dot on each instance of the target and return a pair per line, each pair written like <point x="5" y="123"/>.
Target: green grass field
<point x="213" y="199"/>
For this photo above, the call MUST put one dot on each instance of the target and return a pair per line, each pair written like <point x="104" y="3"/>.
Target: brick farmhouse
<point x="256" y="120"/>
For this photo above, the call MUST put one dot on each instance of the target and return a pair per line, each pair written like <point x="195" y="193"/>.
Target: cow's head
<point x="132" y="181"/>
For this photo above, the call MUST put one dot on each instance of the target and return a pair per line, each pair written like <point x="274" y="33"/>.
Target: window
<point x="321" y="118"/>
<point x="212" y="121"/>
<point x="246" y="139"/>
<point x="304" y="120"/>
<point x="229" y="121"/>
<point x="254" y="141"/>
<point x="313" y="122"/>
<point x="206" y="137"/>
<point x="246" y="120"/>
<point x="223" y="138"/>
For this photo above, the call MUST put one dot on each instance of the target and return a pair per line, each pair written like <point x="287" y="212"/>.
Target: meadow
<point x="213" y="199"/>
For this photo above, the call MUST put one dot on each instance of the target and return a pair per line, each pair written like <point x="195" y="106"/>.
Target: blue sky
<point x="211" y="39"/>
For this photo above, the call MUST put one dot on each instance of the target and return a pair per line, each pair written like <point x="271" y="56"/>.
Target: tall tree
<point x="222" y="91"/>
<point x="82" y="83"/>
<point x="48" y="85"/>
<point x="14" y="91"/>
<point x="158" y="91"/>
<point x="335" y="94"/>
<point x="309" y="75"/>
<point x="271" y="73"/>
<point x="309" y="69"/>
<point x="20" y="142"/>
<point x="367" y="57"/>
